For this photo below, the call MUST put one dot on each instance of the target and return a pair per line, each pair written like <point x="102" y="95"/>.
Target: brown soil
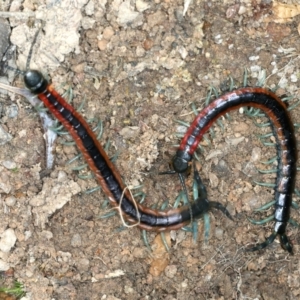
<point x="139" y="78"/>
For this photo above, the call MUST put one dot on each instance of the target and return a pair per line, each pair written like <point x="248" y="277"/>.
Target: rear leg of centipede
<point x="284" y="242"/>
<point x="200" y="192"/>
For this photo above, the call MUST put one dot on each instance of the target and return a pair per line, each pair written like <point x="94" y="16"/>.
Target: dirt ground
<point x="140" y="65"/>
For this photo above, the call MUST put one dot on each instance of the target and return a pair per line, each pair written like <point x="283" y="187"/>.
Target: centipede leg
<point x="201" y="189"/>
<point x="264" y="244"/>
<point x="202" y="194"/>
<point x="285" y="243"/>
<point x="221" y="207"/>
<point x="294" y="223"/>
<point x="261" y="222"/>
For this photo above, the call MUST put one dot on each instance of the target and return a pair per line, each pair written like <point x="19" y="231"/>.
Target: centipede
<point x="109" y="178"/>
<point x="283" y="130"/>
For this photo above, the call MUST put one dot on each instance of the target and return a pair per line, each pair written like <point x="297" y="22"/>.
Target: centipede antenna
<point x="31" y="49"/>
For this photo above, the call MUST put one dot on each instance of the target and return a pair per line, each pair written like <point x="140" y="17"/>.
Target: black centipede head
<point x="181" y="161"/>
<point x="35" y="81"/>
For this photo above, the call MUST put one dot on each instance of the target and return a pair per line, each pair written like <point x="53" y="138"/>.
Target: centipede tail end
<point x="285" y="243"/>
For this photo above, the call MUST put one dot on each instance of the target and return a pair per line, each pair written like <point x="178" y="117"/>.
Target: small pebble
<point x="128" y="290"/>
<point x="126" y="13"/>
<point x="90" y="8"/>
<point x="62" y="176"/>
<point x="4" y="266"/>
<point x="10" y="201"/>
<point x="5" y="137"/>
<point x="148" y="44"/>
<point x="242" y="10"/>
<point x="46" y="234"/>
<point x="8" y="240"/>
<point x="76" y="240"/>
<point x="108" y="32"/>
<point x="171" y="271"/>
<point x="219" y="233"/>
<point x="12" y="111"/>
<point x="9" y="164"/>
<point x="141" y="5"/>
<point x="256" y="154"/>
<point x="213" y="179"/>
<point x="83" y="264"/>
<point x="4" y="37"/>
<point x="102" y="45"/>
